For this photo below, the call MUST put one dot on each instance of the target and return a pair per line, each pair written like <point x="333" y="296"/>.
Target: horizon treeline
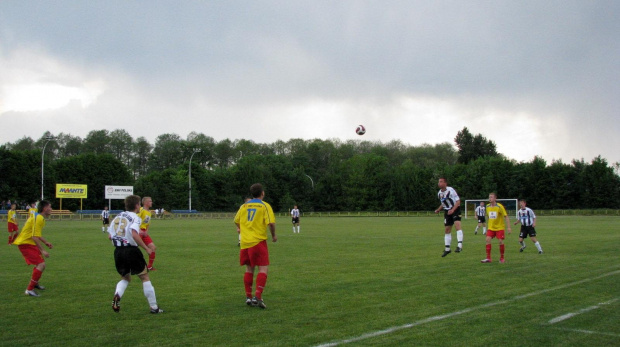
<point x="317" y="175"/>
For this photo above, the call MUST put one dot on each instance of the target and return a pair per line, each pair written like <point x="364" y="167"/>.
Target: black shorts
<point x="527" y="230"/>
<point x="106" y="221"/>
<point x="129" y="260"/>
<point x="295" y="220"/>
<point x="449" y="220"/>
<point x="482" y="219"/>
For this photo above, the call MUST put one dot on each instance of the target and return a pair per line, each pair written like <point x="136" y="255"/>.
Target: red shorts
<point x="31" y="254"/>
<point x="13" y="227"/>
<point x="145" y="237"/>
<point x="255" y="256"/>
<point x="496" y="233"/>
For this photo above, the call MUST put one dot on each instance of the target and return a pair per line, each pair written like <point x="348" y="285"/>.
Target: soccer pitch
<point x="341" y="281"/>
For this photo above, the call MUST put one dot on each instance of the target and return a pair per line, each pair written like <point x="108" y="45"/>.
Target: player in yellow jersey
<point x="13" y="224"/>
<point x="145" y="215"/>
<point x="32" y="209"/>
<point x="498" y="222"/>
<point x="253" y="219"/>
<point x="30" y="243"/>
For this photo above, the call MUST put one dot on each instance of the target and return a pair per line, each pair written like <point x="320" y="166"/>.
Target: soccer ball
<point x="360" y="130"/>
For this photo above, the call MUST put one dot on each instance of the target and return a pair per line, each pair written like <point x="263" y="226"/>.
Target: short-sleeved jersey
<point x="105" y="214"/>
<point x="496" y="216"/>
<point x="253" y="218"/>
<point x="481" y="211"/>
<point x="33" y="227"/>
<point x="145" y="216"/>
<point x="448" y="198"/>
<point x="526" y="216"/>
<point x="295" y="212"/>
<point x="12" y="216"/>
<point x="32" y="211"/>
<point x="121" y="227"/>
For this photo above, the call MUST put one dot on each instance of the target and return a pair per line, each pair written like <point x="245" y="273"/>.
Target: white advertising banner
<point x="118" y="192"/>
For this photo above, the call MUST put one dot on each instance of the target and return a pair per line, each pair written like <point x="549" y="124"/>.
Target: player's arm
<point x="272" y="229"/>
<point x="40" y="242"/>
<point x="508" y="223"/>
<point x="138" y="239"/>
<point x="439" y="208"/>
<point x="238" y="228"/>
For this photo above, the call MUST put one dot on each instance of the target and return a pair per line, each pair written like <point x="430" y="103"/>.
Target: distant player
<point x="145" y="216"/>
<point x="30" y="243"/>
<point x="481" y="213"/>
<point x="105" y="217"/>
<point x="12" y="223"/>
<point x="527" y="218"/>
<point x="124" y="233"/>
<point x="253" y="219"/>
<point x="32" y="209"/>
<point x="498" y="222"/>
<point x="295" y="218"/>
<point x="450" y="203"/>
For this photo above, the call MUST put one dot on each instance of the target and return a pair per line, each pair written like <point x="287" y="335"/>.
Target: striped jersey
<point x="481" y="211"/>
<point x="120" y="229"/>
<point x="526" y="216"/>
<point x="105" y="214"/>
<point x="295" y="212"/>
<point x="448" y="198"/>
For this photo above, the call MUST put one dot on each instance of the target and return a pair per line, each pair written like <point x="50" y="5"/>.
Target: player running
<point x="12" y="224"/>
<point x="527" y="218"/>
<point x="145" y="216"/>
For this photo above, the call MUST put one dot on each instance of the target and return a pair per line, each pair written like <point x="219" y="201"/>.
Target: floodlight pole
<point x="190" y="177"/>
<point x="310" y="181"/>
<point x="48" y="138"/>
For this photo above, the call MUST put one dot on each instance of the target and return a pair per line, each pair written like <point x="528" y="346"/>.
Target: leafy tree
<point x="473" y="147"/>
<point x="97" y="142"/>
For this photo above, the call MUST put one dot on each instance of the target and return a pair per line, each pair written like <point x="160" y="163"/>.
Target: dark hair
<point x="256" y="190"/>
<point x="443" y="178"/>
<point x="525" y="201"/>
<point x="42" y="204"/>
<point x="131" y="201"/>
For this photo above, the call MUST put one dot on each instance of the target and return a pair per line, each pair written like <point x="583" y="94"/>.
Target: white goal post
<point x="511" y="206"/>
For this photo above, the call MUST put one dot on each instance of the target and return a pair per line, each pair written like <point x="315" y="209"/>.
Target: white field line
<point x="584" y="310"/>
<point x="457" y="313"/>
<point x="588" y="332"/>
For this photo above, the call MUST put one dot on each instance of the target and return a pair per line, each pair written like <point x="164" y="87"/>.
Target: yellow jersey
<point x="145" y="215"/>
<point x="32" y="211"/>
<point x="33" y="227"/>
<point x="12" y="216"/>
<point x="254" y="218"/>
<point x="496" y="215"/>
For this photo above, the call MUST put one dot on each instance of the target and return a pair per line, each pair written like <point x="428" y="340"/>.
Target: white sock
<point x="477" y="228"/>
<point x="537" y="244"/>
<point x="448" y="240"/>
<point x="484" y="230"/>
<point x="293" y="229"/>
<point x="120" y="287"/>
<point x="298" y="228"/>
<point x="149" y="292"/>
<point x="459" y="236"/>
<point x="102" y="228"/>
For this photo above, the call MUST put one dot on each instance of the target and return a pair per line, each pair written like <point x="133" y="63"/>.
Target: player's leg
<point x="149" y="292"/>
<point x="459" y="236"/>
<point x="121" y="286"/>
<point x="484" y="228"/>
<point x="152" y="247"/>
<point x="502" y="247"/>
<point x="293" y="225"/>
<point x="447" y="238"/>
<point x="477" y="227"/>
<point x="490" y="236"/>
<point x="37" y="272"/>
<point x="260" y="258"/>
<point x="298" y="228"/>
<point x="536" y="243"/>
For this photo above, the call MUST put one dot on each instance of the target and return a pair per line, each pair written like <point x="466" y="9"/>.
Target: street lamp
<point x="48" y="138"/>
<point x="190" y="176"/>
<point x="310" y="181"/>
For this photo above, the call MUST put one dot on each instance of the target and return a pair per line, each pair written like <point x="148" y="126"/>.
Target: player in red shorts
<point x="253" y="219"/>
<point x="30" y="243"/>
<point x="12" y="223"/>
<point x="498" y="222"/>
<point x="145" y="215"/>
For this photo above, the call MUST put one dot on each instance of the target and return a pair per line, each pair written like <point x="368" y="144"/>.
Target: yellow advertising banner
<point x="71" y="191"/>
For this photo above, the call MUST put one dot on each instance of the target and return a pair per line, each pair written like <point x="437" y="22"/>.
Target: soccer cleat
<point x="156" y="310"/>
<point x="459" y="249"/>
<point x="248" y="301"/>
<point x="31" y="293"/>
<point x="540" y="252"/>
<point x="38" y="286"/>
<point x="116" y="303"/>
<point x="446" y="253"/>
<point x="476" y="232"/>
<point x="258" y="303"/>
<point x="502" y="261"/>
<point x="151" y="268"/>
<point x="521" y="249"/>
<point x="485" y="260"/>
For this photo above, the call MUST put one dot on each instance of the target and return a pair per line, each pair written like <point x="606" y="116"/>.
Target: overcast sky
<point x="536" y="77"/>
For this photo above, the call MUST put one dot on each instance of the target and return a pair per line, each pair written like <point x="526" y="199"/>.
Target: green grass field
<point x="357" y="281"/>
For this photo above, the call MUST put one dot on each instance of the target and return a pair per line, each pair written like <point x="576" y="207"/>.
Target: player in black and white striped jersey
<point x="105" y="216"/>
<point x="527" y="218"/>
<point x="481" y="213"/>
<point x="450" y="204"/>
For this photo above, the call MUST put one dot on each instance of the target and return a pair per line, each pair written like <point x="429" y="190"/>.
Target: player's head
<point x="295" y="207"/>
<point x="256" y="190"/>
<point x="522" y="203"/>
<point x="105" y="207"/>
<point x="45" y="208"/>
<point x="442" y="183"/>
<point x="13" y="206"/>
<point x="147" y="202"/>
<point x="481" y="203"/>
<point x="132" y="203"/>
<point x="492" y="197"/>
<point x="33" y="204"/>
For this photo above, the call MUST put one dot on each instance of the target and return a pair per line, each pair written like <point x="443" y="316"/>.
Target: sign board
<point x="71" y="191"/>
<point x="118" y="192"/>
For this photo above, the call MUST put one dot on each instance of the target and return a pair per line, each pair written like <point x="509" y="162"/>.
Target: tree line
<point x="317" y="175"/>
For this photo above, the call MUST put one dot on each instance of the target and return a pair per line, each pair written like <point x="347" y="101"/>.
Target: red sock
<point x="261" y="280"/>
<point x="248" y="279"/>
<point x="501" y="251"/>
<point x="36" y="275"/>
<point x="151" y="259"/>
<point x="489" y="251"/>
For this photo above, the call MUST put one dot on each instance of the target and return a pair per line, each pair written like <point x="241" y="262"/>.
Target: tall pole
<point x="48" y="138"/>
<point x="312" y="181"/>
<point x="190" y="177"/>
